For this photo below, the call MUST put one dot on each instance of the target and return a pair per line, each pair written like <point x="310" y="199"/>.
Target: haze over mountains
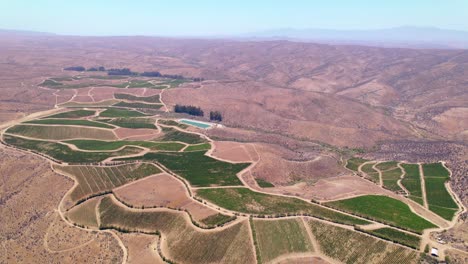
<point x="402" y="37"/>
<point x="406" y="36"/>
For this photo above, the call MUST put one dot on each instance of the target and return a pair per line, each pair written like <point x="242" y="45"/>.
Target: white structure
<point x="435" y="252"/>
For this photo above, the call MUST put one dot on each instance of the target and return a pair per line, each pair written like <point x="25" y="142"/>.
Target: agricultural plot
<point x="172" y="123"/>
<point x="133" y="122"/>
<point x="164" y="190"/>
<point x="114" y="145"/>
<point x="216" y="219"/>
<point x="54" y="84"/>
<point x="246" y="201"/>
<point x="101" y="104"/>
<point x="69" y="122"/>
<point x="390" y="179"/>
<point x="129" y="97"/>
<point x="63" y="153"/>
<point x="136" y="84"/>
<point x="171" y="134"/>
<point x="199" y="147"/>
<point x="198" y="169"/>
<point x="137" y="105"/>
<point x="60" y="132"/>
<point x="388" y="165"/>
<point x="94" y="181"/>
<point x="84" y="214"/>
<point x="172" y="83"/>
<point x="435" y="170"/>
<point x="230" y="245"/>
<point x="396" y="236"/>
<point x="384" y="209"/>
<point x="353" y="247"/>
<point x="412" y="182"/>
<point x="370" y="172"/>
<point x="116" y="112"/>
<point x="439" y="199"/>
<point x="281" y="237"/>
<point x="73" y="114"/>
<point x="354" y="163"/>
<point x="263" y="183"/>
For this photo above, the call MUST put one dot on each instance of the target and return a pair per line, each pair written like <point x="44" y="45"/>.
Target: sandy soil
<point x="283" y="167"/>
<point x="234" y="151"/>
<point x="162" y="190"/>
<point x="141" y="248"/>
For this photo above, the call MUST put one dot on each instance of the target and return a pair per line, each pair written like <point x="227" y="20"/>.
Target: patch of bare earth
<point x="142" y="248"/>
<point x="234" y="151"/>
<point x="162" y="190"/>
<point x="284" y="167"/>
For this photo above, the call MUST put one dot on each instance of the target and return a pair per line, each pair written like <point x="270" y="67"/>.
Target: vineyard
<point x="390" y="179"/>
<point x="130" y="97"/>
<point x="84" y="214"/>
<point x="439" y="199"/>
<point x="64" y="153"/>
<point x="133" y="122"/>
<point x="74" y="114"/>
<point x="61" y="132"/>
<point x="99" y="180"/>
<point x="246" y="201"/>
<point x="114" y="145"/>
<point x="69" y="122"/>
<point x="412" y="182"/>
<point x="280" y="237"/>
<point x="371" y="173"/>
<point x="351" y="247"/>
<point x="229" y="245"/>
<point x="198" y="169"/>
<point x="382" y="209"/>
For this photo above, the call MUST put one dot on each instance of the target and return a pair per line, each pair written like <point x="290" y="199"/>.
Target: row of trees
<point x="127" y="71"/>
<point x="75" y="68"/>
<point x="197" y="111"/>
<point x="123" y="71"/>
<point x="188" y="109"/>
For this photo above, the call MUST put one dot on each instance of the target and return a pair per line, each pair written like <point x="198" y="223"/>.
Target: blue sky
<point x="209" y="17"/>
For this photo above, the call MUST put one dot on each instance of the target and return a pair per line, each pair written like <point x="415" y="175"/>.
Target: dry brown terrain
<point x="162" y="190"/>
<point x="141" y="248"/>
<point x="33" y="231"/>
<point x="297" y="110"/>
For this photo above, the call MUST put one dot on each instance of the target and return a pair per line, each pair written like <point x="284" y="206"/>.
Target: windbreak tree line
<point x="188" y="109"/>
<point x="128" y="72"/>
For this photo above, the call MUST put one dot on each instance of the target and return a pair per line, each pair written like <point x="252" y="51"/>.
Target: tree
<point x="188" y="109"/>
<point x="216" y="116"/>
<point x="75" y="68"/>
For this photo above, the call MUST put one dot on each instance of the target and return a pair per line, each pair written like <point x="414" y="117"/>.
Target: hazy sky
<point x="206" y="17"/>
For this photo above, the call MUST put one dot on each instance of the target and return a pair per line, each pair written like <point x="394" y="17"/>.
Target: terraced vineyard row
<point x="99" y="180"/>
<point x="412" y="182"/>
<point x="439" y="199"/>
<point x="185" y="243"/>
<point x="280" y="237"/>
<point x="247" y="201"/>
<point x="351" y="247"/>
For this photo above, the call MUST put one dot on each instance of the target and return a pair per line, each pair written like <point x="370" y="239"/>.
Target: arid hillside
<point x="340" y="95"/>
